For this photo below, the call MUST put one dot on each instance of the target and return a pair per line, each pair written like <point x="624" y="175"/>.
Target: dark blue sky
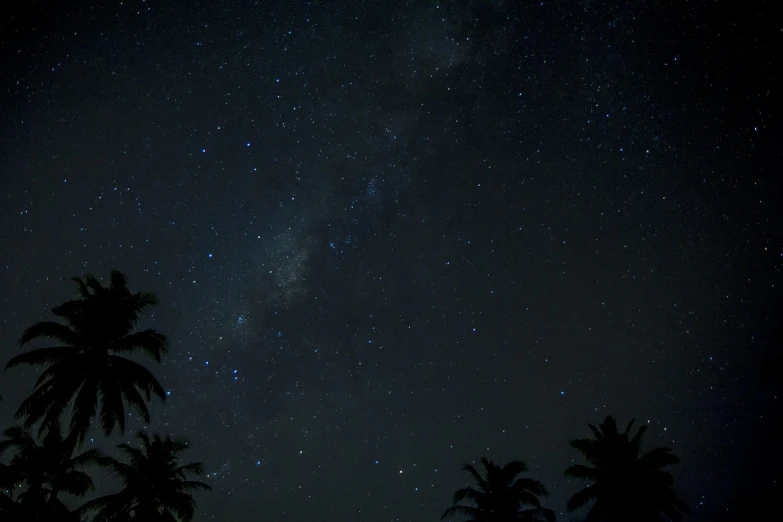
<point x="392" y="237"/>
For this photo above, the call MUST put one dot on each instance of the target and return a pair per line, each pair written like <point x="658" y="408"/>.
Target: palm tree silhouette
<point x="155" y="485"/>
<point x="7" y="504"/>
<point x="42" y="472"/>
<point x="501" y="496"/>
<point x="89" y="368"/>
<point x="625" y="485"/>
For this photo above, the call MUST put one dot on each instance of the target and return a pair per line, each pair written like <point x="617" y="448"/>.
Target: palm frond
<point x="148" y="341"/>
<point x="584" y="472"/>
<point x="75" y="483"/>
<point x="182" y="504"/>
<point x="489" y="466"/>
<point x="40" y="357"/>
<point x="609" y="426"/>
<point x="48" y="401"/>
<point x="112" y="408"/>
<point x="50" y="330"/>
<point x="17" y="433"/>
<point x="117" y="281"/>
<point x="106" y="508"/>
<point x="513" y="468"/>
<point x="66" y="366"/>
<point x="82" y="288"/>
<point x="91" y="457"/>
<point x="537" y="514"/>
<point x="84" y="407"/>
<point x="93" y="285"/>
<point x="134" y="398"/>
<point x="524" y="498"/>
<point x="582" y="497"/>
<point x="534" y="487"/>
<point x="465" y="511"/>
<point x="72" y="311"/>
<point x="177" y="445"/>
<point x="122" y="471"/>
<point x="139" y="375"/>
<point x="144" y="438"/>
<point x="636" y="441"/>
<point x="658" y="458"/>
<point x="194" y="468"/>
<point x="470" y="494"/>
<point x="597" y="433"/>
<point x="144" y="300"/>
<point x="476" y="476"/>
<point x="135" y="455"/>
<point x="587" y="447"/>
<point x="191" y="486"/>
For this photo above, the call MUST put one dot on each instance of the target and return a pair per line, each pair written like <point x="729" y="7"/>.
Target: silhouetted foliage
<point x="625" y="485"/>
<point x="6" y="489"/>
<point x="501" y="496"/>
<point x="88" y="367"/>
<point x="156" y="487"/>
<point x="39" y="473"/>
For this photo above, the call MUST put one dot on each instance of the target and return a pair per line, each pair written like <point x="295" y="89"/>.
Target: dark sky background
<point x="392" y="237"/>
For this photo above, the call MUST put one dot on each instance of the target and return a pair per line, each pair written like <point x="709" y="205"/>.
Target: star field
<point x="389" y="238"/>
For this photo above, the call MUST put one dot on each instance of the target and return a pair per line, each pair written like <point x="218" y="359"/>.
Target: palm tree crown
<point x="501" y="495"/>
<point x="625" y="485"/>
<point x="155" y="485"/>
<point x="88" y="368"/>
<point x="46" y="470"/>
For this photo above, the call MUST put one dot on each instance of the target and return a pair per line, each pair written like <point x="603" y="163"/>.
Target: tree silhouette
<point x="89" y="368"/>
<point x="7" y="504"/>
<point x="40" y="473"/>
<point x="625" y="485"/>
<point x="155" y="485"/>
<point x="501" y="496"/>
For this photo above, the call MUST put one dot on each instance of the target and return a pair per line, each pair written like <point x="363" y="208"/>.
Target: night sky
<point x="392" y="237"/>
